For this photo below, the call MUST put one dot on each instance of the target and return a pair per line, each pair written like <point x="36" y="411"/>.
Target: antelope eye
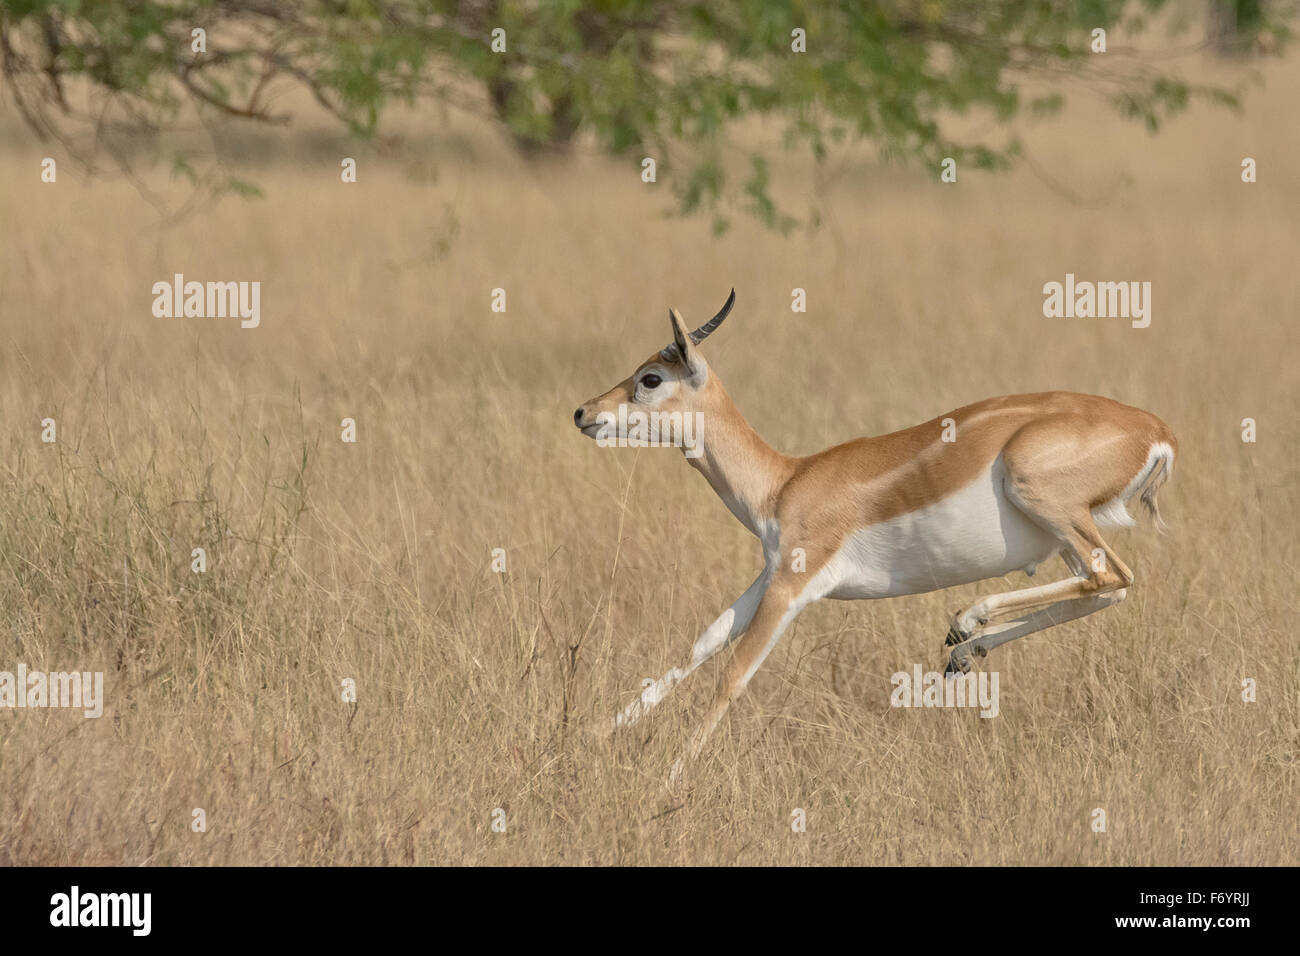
<point x="651" y="381"/>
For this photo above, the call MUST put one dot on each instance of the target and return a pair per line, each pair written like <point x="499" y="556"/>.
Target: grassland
<point x="478" y="690"/>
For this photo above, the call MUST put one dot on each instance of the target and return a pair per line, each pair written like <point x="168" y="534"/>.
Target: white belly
<point x="973" y="534"/>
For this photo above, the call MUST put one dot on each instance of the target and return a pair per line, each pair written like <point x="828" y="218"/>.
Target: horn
<point x="703" y="332"/>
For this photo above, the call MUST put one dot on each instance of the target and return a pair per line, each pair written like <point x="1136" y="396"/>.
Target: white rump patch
<point x="1114" y="513"/>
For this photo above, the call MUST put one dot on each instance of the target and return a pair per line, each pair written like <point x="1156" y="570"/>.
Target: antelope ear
<point x="686" y="349"/>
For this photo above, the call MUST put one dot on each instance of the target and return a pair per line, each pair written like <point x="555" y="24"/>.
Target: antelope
<point x="979" y="492"/>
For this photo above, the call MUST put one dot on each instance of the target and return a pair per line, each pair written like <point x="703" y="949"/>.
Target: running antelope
<point x="1018" y="479"/>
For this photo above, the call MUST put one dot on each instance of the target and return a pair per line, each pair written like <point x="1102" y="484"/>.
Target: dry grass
<point x="371" y="561"/>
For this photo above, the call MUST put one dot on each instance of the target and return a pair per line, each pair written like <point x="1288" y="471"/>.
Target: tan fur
<point x="1064" y="454"/>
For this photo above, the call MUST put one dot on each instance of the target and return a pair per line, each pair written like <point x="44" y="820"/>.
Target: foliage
<point x="665" y="78"/>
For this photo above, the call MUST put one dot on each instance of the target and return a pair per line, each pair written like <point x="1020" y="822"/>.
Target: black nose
<point x="577" y="418"/>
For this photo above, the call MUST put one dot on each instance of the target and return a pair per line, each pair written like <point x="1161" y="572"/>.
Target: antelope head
<point x="672" y="388"/>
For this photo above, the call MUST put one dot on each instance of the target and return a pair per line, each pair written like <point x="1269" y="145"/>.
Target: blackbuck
<point x="979" y="492"/>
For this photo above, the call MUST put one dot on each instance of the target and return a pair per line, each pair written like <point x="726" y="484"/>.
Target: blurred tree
<point x="1235" y="27"/>
<point x="661" y="78"/>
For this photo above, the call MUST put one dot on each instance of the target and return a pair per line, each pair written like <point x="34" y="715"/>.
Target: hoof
<point x="959" y="633"/>
<point x="957" y="665"/>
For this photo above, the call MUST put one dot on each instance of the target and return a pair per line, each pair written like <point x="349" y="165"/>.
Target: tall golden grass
<point x="478" y="690"/>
